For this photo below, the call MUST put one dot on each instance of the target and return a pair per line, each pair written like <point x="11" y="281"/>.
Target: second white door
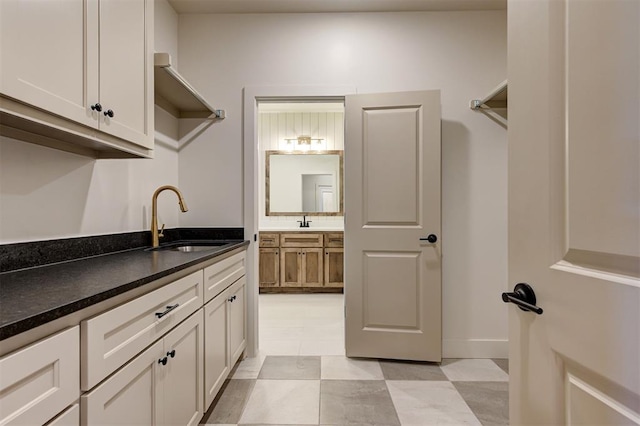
<point x="392" y="203"/>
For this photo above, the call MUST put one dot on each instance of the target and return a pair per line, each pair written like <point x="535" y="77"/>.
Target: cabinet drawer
<point x="41" y="380"/>
<point x="334" y="239"/>
<point x="269" y="239"/>
<point x="302" y="239"/>
<point x="111" y="339"/>
<point x="71" y="417"/>
<point x="221" y="275"/>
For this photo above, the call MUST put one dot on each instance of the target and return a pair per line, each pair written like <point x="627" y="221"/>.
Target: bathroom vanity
<point x="301" y="261"/>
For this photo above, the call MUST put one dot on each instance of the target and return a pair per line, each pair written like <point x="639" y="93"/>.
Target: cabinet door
<point x="312" y="270"/>
<point x="131" y="396"/>
<point x="216" y="345"/>
<point x="182" y="376"/>
<point x="334" y="267"/>
<point x="269" y="267"/>
<point x="237" y="324"/>
<point x="49" y="60"/>
<point x="290" y="267"/>
<point x="39" y="381"/>
<point x="125" y="69"/>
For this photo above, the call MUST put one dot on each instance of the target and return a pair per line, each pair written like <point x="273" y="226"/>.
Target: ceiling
<point x="316" y="6"/>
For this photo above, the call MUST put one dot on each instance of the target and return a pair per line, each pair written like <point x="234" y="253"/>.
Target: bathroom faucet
<point x="155" y="237"/>
<point x="304" y="223"/>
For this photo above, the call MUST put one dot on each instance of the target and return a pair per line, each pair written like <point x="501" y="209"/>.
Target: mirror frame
<point x="269" y="153"/>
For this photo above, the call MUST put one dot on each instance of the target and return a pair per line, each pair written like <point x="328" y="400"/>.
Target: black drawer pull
<point x="171" y="353"/>
<point x="169" y="309"/>
<point x="163" y="361"/>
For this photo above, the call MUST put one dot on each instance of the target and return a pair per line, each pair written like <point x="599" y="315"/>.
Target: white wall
<point x="49" y="194"/>
<point x="461" y="53"/>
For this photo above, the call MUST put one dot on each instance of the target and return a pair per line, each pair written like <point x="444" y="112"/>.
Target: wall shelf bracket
<point x="174" y="94"/>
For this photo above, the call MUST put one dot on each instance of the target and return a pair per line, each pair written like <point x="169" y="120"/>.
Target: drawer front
<point x="302" y="239"/>
<point x="41" y="380"/>
<point x="269" y="239"/>
<point x="71" y="417"/>
<point x="222" y="274"/>
<point x="111" y="339"/>
<point x="334" y="239"/>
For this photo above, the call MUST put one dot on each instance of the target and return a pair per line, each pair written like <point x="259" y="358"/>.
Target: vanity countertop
<point x="34" y="296"/>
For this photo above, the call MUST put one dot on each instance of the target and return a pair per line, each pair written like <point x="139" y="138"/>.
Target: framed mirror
<point x="304" y="183"/>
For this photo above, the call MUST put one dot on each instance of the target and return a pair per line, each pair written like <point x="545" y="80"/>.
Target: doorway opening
<point x="300" y="226"/>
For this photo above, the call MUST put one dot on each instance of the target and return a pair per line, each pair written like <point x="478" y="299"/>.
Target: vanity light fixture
<point x="303" y="140"/>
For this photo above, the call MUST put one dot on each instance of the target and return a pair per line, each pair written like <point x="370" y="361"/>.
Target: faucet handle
<point x="161" y="233"/>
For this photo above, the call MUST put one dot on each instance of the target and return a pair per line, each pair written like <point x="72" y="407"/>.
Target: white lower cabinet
<point x="39" y="381"/>
<point x="225" y="336"/>
<point x="111" y="339"/>
<point x="237" y="323"/>
<point x="159" y="359"/>
<point x="162" y="385"/>
<point x="216" y="344"/>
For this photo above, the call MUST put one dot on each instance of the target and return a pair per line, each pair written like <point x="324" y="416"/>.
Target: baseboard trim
<point x="475" y="348"/>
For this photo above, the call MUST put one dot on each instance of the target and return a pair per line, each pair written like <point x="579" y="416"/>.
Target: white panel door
<point x="574" y="210"/>
<point x="49" y="55"/>
<point x="392" y="203"/>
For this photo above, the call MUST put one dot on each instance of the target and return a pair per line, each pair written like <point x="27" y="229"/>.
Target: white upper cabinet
<point x="78" y="75"/>
<point x="125" y="70"/>
<point x="45" y="56"/>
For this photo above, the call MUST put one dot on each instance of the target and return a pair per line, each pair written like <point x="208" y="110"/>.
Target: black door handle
<point x="432" y="238"/>
<point x="523" y="296"/>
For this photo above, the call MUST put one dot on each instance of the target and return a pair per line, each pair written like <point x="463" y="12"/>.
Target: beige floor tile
<point x="468" y="370"/>
<point x="343" y="368"/>
<point x="284" y="402"/>
<point x="429" y="403"/>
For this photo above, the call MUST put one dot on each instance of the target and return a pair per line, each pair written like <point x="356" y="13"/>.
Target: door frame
<point x="252" y="95"/>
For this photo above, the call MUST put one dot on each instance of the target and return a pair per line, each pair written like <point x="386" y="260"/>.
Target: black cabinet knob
<point x="163" y="361"/>
<point x="171" y="353"/>
<point x="97" y="107"/>
<point x="108" y="113"/>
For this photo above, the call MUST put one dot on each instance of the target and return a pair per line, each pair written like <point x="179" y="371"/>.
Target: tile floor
<point x="302" y="377"/>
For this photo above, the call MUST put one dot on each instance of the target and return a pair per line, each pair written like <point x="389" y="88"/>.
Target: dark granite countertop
<point x="34" y="296"/>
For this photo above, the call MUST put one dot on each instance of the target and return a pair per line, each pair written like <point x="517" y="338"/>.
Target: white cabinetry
<point x="237" y="326"/>
<point x="41" y="380"/>
<point x="77" y="74"/>
<point x="225" y="336"/>
<point x="70" y="417"/>
<point x="161" y="386"/>
<point x="111" y="339"/>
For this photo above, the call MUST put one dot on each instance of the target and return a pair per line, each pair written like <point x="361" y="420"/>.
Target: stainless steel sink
<point x="189" y="249"/>
<point x="192" y="246"/>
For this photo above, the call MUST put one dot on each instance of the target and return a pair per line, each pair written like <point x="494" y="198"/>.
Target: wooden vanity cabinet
<point x="302" y="261"/>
